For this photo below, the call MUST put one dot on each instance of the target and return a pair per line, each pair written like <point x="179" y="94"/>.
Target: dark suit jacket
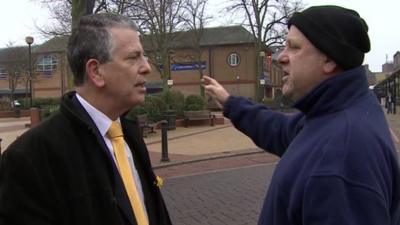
<point x="61" y="172"/>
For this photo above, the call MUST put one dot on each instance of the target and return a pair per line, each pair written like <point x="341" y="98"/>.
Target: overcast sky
<point x="18" y="19"/>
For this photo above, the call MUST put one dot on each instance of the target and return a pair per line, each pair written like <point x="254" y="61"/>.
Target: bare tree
<point x="14" y="60"/>
<point x="195" y="20"/>
<point x="120" y="6"/>
<point x="267" y="21"/>
<point x="81" y="8"/>
<point x="158" y="20"/>
<point x="61" y="14"/>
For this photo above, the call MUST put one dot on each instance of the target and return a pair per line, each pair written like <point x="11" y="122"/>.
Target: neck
<point x="100" y="102"/>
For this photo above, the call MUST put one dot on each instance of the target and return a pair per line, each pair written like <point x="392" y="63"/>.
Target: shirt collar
<point x="101" y="121"/>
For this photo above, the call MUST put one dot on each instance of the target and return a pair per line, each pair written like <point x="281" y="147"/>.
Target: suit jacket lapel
<point x="120" y="194"/>
<point x="123" y="200"/>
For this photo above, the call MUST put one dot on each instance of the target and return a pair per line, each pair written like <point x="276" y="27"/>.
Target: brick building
<point x="228" y="55"/>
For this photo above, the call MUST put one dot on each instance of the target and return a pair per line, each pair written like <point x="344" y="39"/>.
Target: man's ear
<point x="93" y="72"/>
<point x="330" y="66"/>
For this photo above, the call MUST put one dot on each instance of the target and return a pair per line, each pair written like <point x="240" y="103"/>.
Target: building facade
<point x="227" y="54"/>
<point x="48" y="72"/>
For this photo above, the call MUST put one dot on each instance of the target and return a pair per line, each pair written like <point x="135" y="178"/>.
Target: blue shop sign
<point x="187" y="66"/>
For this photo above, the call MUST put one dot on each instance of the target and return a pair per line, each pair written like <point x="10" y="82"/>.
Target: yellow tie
<point x="117" y="139"/>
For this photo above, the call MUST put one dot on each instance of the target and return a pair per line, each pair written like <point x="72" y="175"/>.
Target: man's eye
<point x="132" y="57"/>
<point x="293" y="46"/>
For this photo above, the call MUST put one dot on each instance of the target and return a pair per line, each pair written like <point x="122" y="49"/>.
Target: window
<point x="47" y="64"/>
<point x="3" y="73"/>
<point x="233" y="59"/>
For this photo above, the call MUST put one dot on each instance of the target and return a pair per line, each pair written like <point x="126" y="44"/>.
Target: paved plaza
<point x="187" y="145"/>
<point x="215" y="175"/>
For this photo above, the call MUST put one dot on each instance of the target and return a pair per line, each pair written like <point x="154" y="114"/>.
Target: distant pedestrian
<point x="338" y="162"/>
<point x="390" y="103"/>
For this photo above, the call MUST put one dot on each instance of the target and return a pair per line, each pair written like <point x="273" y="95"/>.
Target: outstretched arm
<point x="269" y="130"/>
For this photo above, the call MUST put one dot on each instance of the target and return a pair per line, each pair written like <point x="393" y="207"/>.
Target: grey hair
<point x="91" y="40"/>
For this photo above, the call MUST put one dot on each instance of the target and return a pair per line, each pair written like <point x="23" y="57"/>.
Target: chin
<point x="286" y="92"/>
<point x="288" y="95"/>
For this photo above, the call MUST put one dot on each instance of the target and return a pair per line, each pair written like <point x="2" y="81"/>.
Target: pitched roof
<point x="225" y="36"/>
<point x="211" y="37"/>
<point x="55" y="44"/>
<point x="14" y="54"/>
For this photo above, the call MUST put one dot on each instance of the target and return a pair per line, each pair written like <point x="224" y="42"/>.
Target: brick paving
<point x="203" y="166"/>
<point x="227" y="197"/>
<point x="394" y="122"/>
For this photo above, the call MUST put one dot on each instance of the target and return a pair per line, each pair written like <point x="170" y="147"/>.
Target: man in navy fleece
<point x="338" y="162"/>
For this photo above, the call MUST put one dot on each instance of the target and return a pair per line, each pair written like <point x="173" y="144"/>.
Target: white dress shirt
<point x="103" y="123"/>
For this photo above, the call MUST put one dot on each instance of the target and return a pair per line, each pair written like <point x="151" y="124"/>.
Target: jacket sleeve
<point x="332" y="200"/>
<point x="23" y="198"/>
<point x="269" y="130"/>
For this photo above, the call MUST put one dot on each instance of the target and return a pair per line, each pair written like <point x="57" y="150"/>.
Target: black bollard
<point x="164" y="141"/>
<point x="0" y="145"/>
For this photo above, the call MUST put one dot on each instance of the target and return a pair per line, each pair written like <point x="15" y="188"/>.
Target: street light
<point x="237" y="84"/>
<point x="29" y="41"/>
<point x="262" y="74"/>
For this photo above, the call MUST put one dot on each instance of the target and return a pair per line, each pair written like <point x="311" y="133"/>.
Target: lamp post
<point x="237" y="84"/>
<point x="29" y="41"/>
<point x="262" y="75"/>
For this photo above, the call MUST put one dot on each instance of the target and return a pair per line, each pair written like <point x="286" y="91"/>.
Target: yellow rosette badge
<point x="159" y="182"/>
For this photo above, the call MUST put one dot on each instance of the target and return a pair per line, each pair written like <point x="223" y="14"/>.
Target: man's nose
<point x="282" y="57"/>
<point x="145" y="68"/>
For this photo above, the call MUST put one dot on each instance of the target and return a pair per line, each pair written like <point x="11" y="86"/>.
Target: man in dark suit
<point x="67" y="170"/>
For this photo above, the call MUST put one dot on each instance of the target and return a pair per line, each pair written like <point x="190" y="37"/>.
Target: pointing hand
<point x="215" y="90"/>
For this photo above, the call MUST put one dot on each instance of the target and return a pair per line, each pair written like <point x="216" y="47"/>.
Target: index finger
<point x="208" y="80"/>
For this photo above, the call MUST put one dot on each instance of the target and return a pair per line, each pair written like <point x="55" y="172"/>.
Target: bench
<point x="198" y="115"/>
<point x="144" y="125"/>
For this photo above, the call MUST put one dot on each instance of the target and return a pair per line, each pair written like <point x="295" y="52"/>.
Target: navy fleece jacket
<point x="338" y="162"/>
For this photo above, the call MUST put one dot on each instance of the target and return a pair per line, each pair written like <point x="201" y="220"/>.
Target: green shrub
<point x="40" y="102"/>
<point x="156" y="106"/>
<point x="175" y="101"/>
<point x="194" y="102"/>
<point x="5" y="104"/>
<point x="153" y="106"/>
<point x="48" y="106"/>
<point x="137" y="110"/>
<point x="48" y="111"/>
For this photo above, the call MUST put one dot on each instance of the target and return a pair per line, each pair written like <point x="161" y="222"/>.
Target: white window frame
<point x="233" y="59"/>
<point x="47" y="64"/>
<point x="3" y="73"/>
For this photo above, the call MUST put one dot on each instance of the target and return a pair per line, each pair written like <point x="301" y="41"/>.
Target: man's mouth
<point x="285" y="76"/>
<point x="140" y="84"/>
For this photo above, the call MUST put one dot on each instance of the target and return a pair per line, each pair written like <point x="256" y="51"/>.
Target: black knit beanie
<point x="338" y="32"/>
